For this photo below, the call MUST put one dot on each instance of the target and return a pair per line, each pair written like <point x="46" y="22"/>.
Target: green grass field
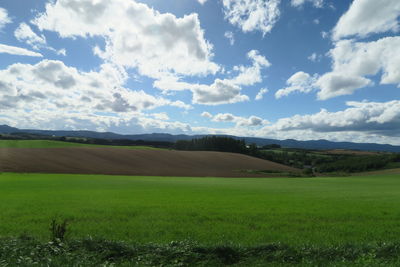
<point x="295" y="211"/>
<point x="55" y="144"/>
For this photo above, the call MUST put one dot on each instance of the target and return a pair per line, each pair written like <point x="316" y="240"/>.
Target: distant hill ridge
<point x="290" y="143"/>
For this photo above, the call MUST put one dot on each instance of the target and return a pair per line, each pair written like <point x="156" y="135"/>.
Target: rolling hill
<point x="108" y="160"/>
<point x="289" y="143"/>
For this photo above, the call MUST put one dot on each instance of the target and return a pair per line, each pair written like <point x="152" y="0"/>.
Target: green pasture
<point x="295" y="211"/>
<point x="55" y="144"/>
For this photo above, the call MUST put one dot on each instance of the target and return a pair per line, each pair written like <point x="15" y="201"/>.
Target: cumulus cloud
<point x="261" y="93"/>
<point x="221" y="91"/>
<point x="354" y="64"/>
<point x="126" y="123"/>
<point x="354" y="61"/>
<point x="18" y="51"/>
<point x="366" y="17"/>
<point x="202" y="1"/>
<point x="298" y="82"/>
<point x="206" y="114"/>
<point x="229" y="35"/>
<point x="300" y="3"/>
<point x="381" y="118"/>
<point x="251" y="121"/>
<point x="51" y="95"/>
<point x="361" y="122"/>
<point x="136" y="35"/>
<point x="33" y="94"/>
<point x="332" y="85"/>
<point x="4" y="19"/>
<point x="252" y="15"/>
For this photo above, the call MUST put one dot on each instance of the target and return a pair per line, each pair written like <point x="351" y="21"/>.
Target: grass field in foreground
<point x="206" y="210"/>
<point x="55" y="144"/>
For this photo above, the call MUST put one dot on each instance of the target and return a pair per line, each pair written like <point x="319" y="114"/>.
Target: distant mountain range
<point x="290" y="143"/>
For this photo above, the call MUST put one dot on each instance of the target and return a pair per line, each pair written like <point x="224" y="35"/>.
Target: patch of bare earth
<point x="133" y="162"/>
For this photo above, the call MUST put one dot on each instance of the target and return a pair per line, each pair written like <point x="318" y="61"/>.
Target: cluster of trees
<point x="359" y="163"/>
<point x="331" y="163"/>
<point x="117" y="142"/>
<point x="213" y="143"/>
<point x="298" y="159"/>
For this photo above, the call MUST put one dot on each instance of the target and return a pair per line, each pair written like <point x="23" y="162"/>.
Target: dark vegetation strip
<point x="26" y="251"/>
<point x="298" y="158"/>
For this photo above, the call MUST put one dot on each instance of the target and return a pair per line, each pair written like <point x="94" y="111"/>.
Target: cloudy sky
<point x="301" y="69"/>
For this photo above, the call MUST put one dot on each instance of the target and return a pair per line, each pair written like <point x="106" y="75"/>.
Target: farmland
<point x="111" y="160"/>
<point x="243" y="220"/>
<point x="207" y="210"/>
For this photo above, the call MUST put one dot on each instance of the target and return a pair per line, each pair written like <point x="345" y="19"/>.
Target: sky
<point x="283" y="69"/>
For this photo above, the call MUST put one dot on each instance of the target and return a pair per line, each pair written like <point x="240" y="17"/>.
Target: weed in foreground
<point x="58" y="230"/>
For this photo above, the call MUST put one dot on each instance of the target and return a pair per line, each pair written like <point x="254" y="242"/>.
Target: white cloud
<point x="299" y="3"/>
<point x="251" y="75"/>
<point x="313" y="57"/>
<point x="163" y="116"/>
<point x="13" y="50"/>
<point x="221" y="91"/>
<point x="126" y="123"/>
<point x="381" y="118"/>
<point x="332" y="85"/>
<point x="136" y="35"/>
<point x="361" y="122"/>
<point x="366" y="17"/>
<point x="298" y="82"/>
<point x="62" y="52"/>
<point x="261" y="93"/>
<point x="354" y="64"/>
<point x="252" y="15"/>
<point x="34" y="93"/>
<point x="223" y="117"/>
<point x="229" y="35"/>
<point x="206" y="114"/>
<point x="202" y="1"/>
<point x="4" y="19"/>
<point x="51" y="95"/>
<point x="354" y="61"/>
<point x="251" y="121"/>
<point x="24" y="33"/>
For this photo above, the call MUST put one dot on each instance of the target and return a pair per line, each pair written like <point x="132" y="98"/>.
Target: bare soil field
<point x="133" y="162"/>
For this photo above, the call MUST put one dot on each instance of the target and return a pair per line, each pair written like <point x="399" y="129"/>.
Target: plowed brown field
<point x="132" y="162"/>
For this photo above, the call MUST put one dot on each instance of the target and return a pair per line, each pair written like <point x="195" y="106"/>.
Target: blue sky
<point x="301" y="69"/>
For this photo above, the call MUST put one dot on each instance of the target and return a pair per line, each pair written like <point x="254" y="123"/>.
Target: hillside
<point x="163" y="137"/>
<point x="99" y="160"/>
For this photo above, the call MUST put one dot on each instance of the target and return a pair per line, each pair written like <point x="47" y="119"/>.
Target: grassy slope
<point x="207" y="210"/>
<point x="55" y="144"/>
